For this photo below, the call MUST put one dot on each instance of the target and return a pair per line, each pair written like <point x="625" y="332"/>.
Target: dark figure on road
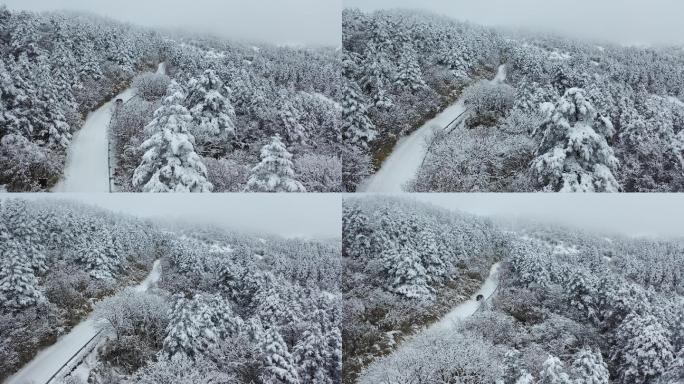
<point x="479" y="298"/>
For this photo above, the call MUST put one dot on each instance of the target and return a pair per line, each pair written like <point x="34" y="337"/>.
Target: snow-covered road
<point x="467" y="308"/>
<point x="391" y="369"/>
<point x="87" y="165"/>
<point x="403" y="163"/>
<point x="51" y="359"/>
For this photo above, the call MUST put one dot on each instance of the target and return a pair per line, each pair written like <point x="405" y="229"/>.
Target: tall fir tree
<point x="588" y="367"/>
<point x="406" y="273"/>
<point x="553" y="372"/>
<point x="170" y="163"/>
<point x="357" y="128"/>
<point x="409" y="75"/>
<point x="275" y="172"/>
<point x="279" y="366"/>
<point x="212" y="112"/>
<point x="642" y="351"/>
<point x="18" y="284"/>
<point x="574" y="155"/>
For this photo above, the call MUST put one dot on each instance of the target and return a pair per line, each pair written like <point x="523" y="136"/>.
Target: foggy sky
<point x="652" y="214"/>
<point x="293" y="22"/>
<point x="289" y="215"/>
<point x="620" y="21"/>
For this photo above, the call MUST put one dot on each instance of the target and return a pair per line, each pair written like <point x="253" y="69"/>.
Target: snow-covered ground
<point x="403" y="163"/>
<point x="51" y="359"/>
<point x="87" y="165"/>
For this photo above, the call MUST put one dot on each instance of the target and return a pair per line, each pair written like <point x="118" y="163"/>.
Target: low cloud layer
<point x="658" y="215"/>
<point x="620" y="21"/>
<point x="293" y="22"/>
<point x="289" y="215"/>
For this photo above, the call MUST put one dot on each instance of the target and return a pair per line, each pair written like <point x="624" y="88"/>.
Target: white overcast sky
<point x="289" y="215"/>
<point x="297" y="22"/>
<point x="651" y="214"/>
<point x="620" y="21"/>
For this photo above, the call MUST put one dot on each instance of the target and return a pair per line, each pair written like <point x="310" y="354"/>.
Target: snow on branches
<point x="170" y="163"/>
<point x="574" y="155"/>
<point x="275" y="172"/>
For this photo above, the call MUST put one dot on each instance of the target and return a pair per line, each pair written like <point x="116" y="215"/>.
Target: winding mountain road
<point x="403" y="163"/>
<point x="87" y="163"/>
<point x="51" y="360"/>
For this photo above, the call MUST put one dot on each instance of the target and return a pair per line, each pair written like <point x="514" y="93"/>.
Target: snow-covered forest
<point x="559" y="305"/>
<point x="218" y="306"/>
<point x="570" y="115"/>
<point x="221" y="116"/>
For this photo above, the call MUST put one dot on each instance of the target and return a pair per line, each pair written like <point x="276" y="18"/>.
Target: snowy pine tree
<point x="294" y="131"/>
<point x="212" y="113"/>
<point x="525" y="378"/>
<point x="279" y="366"/>
<point x="675" y="372"/>
<point x="197" y="324"/>
<point x="357" y="128"/>
<point x="431" y="255"/>
<point x="49" y="121"/>
<point x="581" y="293"/>
<point x="588" y="367"/>
<point x="374" y="78"/>
<point x="23" y="229"/>
<point x="97" y="250"/>
<point x="170" y="163"/>
<point x="406" y="272"/>
<point x="574" y="155"/>
<point x="457" y="59"/>
<point x="311" y="358"/>
<point x="17" y="282"/>
<point x="275" y="172"/>
<point x="514" y="372"/>
<point x="642" y="351"/>
<point x="409" y="75"/>
<point x="553" y="372"/>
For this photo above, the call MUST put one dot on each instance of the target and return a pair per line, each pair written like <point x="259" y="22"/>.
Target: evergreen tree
<point x="170" y="163"/>
<point x="514" y="372"/>
<point x="431" y="255"/>
<point x="311" y="357"/>
<point x="642" y="351"/>
<point x="374" y="78"/>
<point x="357" y="128"/>
<point x="198" y="324"/>
<point x="279" y="366"/>
<point x="582" y="294"/>
<point x="24" y="230"/>
<point x="574" y="155"/>
<point x="212" y="113"/>
<point x="294" y="131"/>
<point x="89" y="68"/>
<point x="17" y="282"/>
<point x="675" y="373"/>
<point x="525" y="378"/>
<point x="48" y="109"/>
<point x="18" y="99"/>
<point x="456" y="58"/>
<point x="409" y="75"/>
<point x="275" y="172"/>
<point x="406" y="272"/>
<point x="97" y="250"/>
<point x="588" y="368"/>
<point x="553" y="372"/>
